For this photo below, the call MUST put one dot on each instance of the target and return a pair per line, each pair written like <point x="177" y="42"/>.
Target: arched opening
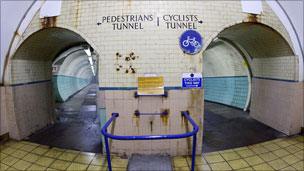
<point x="53" y="80"/>
<point x="242" y="67"/>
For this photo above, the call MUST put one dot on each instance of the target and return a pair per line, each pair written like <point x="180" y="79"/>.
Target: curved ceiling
<point x="45" y="44"/>
<point x="258" y="40"/>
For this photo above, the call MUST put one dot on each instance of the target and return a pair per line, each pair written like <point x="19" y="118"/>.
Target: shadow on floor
<point x="226" y="127"/>
<point x="77" y="125"/>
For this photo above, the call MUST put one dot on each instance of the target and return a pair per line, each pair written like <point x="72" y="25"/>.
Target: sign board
<point x="55" y="68"/>
<point x="191" y="42"/>
<point x="150" y="85"/>
<point x="192" y="80"/>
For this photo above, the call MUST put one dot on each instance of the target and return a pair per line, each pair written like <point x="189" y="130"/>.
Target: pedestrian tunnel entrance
<point x="54" y="81"/>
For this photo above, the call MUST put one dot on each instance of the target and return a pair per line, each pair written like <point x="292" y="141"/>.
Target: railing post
<point x="193" y="152"/>
<point x="108" y="152"/>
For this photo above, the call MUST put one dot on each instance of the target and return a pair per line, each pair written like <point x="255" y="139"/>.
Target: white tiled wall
<point x="285" y="67"/>
<point x="25" y="71"/>
<point x="157" y="48"/>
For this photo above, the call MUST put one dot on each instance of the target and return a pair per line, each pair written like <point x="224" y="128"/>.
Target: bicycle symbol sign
<point x="191" y="42"/>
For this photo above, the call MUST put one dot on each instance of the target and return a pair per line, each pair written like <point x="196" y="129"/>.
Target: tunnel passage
<point x="31" y="78"/>
<point x="246" y="66"/>
<point x="72" y="71"/>
<point x="226" y="75"/>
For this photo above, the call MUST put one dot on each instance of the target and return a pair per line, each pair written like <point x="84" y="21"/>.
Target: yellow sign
<point x="150" y="86"/>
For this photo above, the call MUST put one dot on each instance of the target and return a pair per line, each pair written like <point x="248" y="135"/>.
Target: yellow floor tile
<point x="292" y="149"/>
<point x="268" y="156"/>
<point x="85" y="159"/>
<point x="300" y="154"/>
<point x="40" y="150"/>
<point x="16" y="145"/>
<point x="3" y="166"/>
<point x="291" y="141"/>
<point x="72" y="151"/>
<point x="31" y="157"/>
<point x="28" y="147"/>
<point x="54" y="153"/>
<point x="288" y="168"/>
<point x="180" y="162"/>
<point x="87" y="153"/>
<point x="77" y="166"/>
<point x="299" y="138"/>
<point x="278" y="164"/>
<point x="19" y="153"/>
<point x="11" y="169"/>
<point x="58" y="149"/>
<point x="35" y="167"/>
<point x="291" y="159"/>
<point x="246" y="169"/>
<point x="44" y="161"/>
<point x="8" y="150"/>
<point x="240" y="149"/>
<point x="181" y="169"/>
<point x="212" y="153"/>
<point x="29" y="143"/>
<point x="203" y="167"/>
<point x="97" y="168"/>
<point x="226" y="151"/>
<point x="22" y="165"/>
<point x="259" y="150"/>
<point x="119" y="162"/>
<point x="60" y="164"/>
<point x="300" y="146"/>
<point x="9" y="160"/>
<point x="99" y="160"/>
<point x="245" y="153"/>
<point x="263" y="167"/>
<point x="272" y="147"/>
<point x="199" y="160"/>
<point x="214" y="158"/>
<point x="299" y="165"/>
<point x="220" y="166"/>
<point x="230" y="156"/>
<point x="283" y="144"/>
<point x="281" y="152"/>
<point x="253" y="160"/>
<point x="238" y="164"/>
<point x="2" y="156"/>
<point x="68" y="156"/>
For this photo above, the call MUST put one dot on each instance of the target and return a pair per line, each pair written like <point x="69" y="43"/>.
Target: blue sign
<point x="192" y="80"/>
<point x="191" y="42"/>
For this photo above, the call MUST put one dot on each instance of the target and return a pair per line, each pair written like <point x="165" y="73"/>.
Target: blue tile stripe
<point x="65" y="87"/>
<point x="33" y="82"/>
<point x="275" y="79"/>
<point x="135" y="88"/>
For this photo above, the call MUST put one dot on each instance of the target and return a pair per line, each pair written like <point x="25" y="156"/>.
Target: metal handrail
<point x="150" y="137"/>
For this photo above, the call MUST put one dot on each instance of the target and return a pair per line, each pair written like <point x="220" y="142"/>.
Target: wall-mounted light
<point x="88" y="51"/>
<point x="90" y="60"/>
<point x="92" y="67"/>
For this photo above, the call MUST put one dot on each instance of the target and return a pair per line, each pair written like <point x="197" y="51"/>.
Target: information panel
<point x="192" y="80"/>
<point x="152" y="85"/>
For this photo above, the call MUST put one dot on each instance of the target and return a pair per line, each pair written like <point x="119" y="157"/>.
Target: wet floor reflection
<point x="227" y="127"/>
<point x="77" y="125"/>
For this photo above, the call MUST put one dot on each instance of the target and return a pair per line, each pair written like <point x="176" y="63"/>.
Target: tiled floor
<point x="279" y="154"/>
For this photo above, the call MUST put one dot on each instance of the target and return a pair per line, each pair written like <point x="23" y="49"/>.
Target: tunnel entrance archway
<point x="29" y="75"/>
<point x="270" y="62"/>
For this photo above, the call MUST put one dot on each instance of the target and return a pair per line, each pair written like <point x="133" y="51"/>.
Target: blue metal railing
<point x="150" y="137"/>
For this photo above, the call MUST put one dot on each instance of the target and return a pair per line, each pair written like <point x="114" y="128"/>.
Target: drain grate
<point x="139" y="162"/>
